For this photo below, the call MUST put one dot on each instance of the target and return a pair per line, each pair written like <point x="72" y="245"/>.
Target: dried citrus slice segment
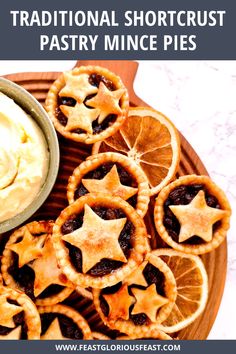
<point x="151" y="140"/>
<point x="192" y="288"/>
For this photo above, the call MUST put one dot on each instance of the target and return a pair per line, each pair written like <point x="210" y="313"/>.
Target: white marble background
<point x="200" y="98"/>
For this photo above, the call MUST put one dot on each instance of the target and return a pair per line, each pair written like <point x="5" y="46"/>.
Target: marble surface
<point x="200" y="98"/>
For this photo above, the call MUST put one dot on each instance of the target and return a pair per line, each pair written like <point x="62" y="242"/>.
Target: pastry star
<point x="148" y="301"/>
<point x="137" y="276"/>
<point x="97" y="239"/>
<point x="79" y="117"/>
<point x="29" y="248"/>
<point x="77" y="87"/>
<point x="197" y="218"/>
<point x="107" y="101"/>
<point x="46" y="269"/>
<point x="7" y="312"/>
<point x="110" y="184"/>
<point x="14" y="334"/>
<point x="119" y="303"/>
<point x="53" y="331"/>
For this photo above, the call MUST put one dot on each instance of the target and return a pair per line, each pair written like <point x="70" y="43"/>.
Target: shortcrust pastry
<point x="29" y="264"/>
<point x="192" y="214"/>
<point x="99" y="240"/>
<point x="100" y="336"/>
<point x="19" y="318"/>
<point x="113" y="174"/>
<point x="137" y="305"/>
<point x="63" y="322"/>
<point x="152" y="334"/>
<point x="87" y="104"/>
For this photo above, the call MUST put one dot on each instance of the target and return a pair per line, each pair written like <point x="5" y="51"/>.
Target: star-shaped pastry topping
<point x="46" y="269"/>
<point x="107" y="101"/>
<point x="53" y="331"/>
<point x="29" y="248"/>
<point x="79" y="117"/>
<point x="77" y="87"/>
<point x="137" y="276"/>
<point x="119" y="303"/>
<point x="197" y="218"/>
<point x="7" y="312"/>
<point x="110" y="184"/>
<point x="97" y="239"/>
<point x="14" y="334"/>
<point x="148" y="301"/>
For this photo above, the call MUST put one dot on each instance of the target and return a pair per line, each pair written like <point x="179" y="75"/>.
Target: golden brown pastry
<point x="192" y="214"/>
<point x="99" y="240"/>
<point x="110" y="174"/>
<point x="29" y="264"/>
<point x="63" y="322"/>
<point x="137" y="305"/>
<point x="19" y="318"/>
<point x="87" y="104"/>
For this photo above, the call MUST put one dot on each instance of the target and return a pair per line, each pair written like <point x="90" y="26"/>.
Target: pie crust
<point x="120" y="301"/>
<point x="100" y="336"/>
<point x="113" y="184"/>
<point x="43" y="263"/>
<point x="31" y="315"/>
<point x="152" y="334"/>
<point x="196" y="215"/>
<point x="96" y="246"/>
<point x="87" y="293"/>
<point x="75" y="84"/>
<point x="70" y="313"/>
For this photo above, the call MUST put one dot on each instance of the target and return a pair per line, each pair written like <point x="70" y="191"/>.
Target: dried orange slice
<point x="151" y="140"/>
<point x="192" y="288"/>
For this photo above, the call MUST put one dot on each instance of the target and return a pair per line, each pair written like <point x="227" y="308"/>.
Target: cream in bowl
<point x="29" y="155"/>
<point x="24" y="159"/>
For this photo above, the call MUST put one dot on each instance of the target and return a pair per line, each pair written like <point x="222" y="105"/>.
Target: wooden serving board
<point x="72" y="154"/>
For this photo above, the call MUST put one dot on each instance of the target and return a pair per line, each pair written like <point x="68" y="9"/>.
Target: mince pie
<point x="30" y="265"/>
<point x="137" y="305"/>
<point x="113" y="174"/>
<point x="87" y="104"/>
<point x="99" y="240"/>
<point x="63" y="322"/>
<point x="19" y="318"/>
<point x="192" y="214"/>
